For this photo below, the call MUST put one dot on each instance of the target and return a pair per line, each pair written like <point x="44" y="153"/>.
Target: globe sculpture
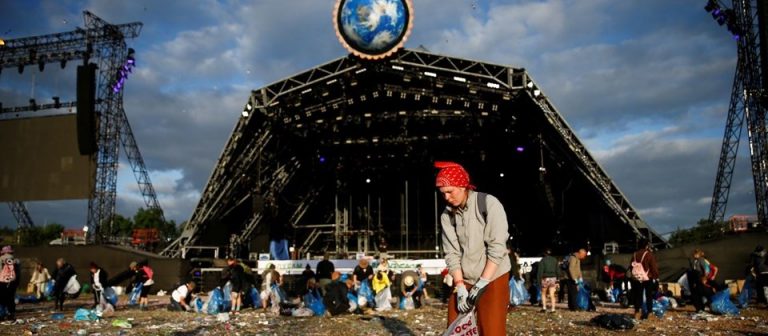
<point x="373" y="29"/>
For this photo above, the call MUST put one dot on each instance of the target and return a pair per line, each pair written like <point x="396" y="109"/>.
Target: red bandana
<point x="452" y="175"/>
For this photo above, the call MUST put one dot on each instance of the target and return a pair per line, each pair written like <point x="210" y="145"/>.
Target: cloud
<point x="645" y="84"/>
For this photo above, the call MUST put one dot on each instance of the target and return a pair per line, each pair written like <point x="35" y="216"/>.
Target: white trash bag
<point x="72" y="287"/>
<point x="465" y="325"/>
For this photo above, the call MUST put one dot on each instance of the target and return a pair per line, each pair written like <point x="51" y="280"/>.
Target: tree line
<point x="121" y="227"/>
<point x="704" y="230"/>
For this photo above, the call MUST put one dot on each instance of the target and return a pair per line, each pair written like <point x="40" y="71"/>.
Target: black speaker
<point x="86" y="109"/>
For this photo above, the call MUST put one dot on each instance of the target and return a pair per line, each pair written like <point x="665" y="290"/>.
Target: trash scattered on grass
<point x="122" y="324"/>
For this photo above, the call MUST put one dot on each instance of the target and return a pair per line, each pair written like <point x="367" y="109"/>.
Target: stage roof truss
<point x="320" y="99"/>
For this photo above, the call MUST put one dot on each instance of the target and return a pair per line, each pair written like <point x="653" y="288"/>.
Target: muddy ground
<point x="430" y="320"/>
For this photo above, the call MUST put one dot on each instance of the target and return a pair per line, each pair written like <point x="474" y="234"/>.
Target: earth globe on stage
<point x="373" y="29"/>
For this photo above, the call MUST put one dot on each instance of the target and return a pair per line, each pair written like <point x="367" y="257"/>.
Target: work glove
<point x="477" y="290"/>
<point x="461" y="299"/>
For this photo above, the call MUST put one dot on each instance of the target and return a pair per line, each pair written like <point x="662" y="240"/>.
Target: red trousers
<point x="491" y="308"/>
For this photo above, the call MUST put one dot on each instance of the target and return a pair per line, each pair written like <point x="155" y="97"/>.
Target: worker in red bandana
<point x="474" y="240"/>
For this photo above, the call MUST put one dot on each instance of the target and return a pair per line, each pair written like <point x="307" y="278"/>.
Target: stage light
<point x="245" y="114"/>
<point x="529" y="85"/>
<point x="430" y="74"/>
<point x="494" y="85"/>
<point x="536" y="93"/>
<point x="2" y="42"/>
<point x="331" y="81"/>
<point x="460" y="79"/>
<point x="360" y="71"/>
<point x="322" y="159"/>
<point x="306" y="91"/>
<point x="397" y="67"/>
<point x="520" y="149"/>
<point x="501" y="175"/>
<point x="542" y="170"/>
<point x="711" y="5"/>
<point x="368" y="180"/>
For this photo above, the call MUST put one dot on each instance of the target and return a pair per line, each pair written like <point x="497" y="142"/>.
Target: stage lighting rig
<point x="127" y="68"/>
<point x="725" y="16"/>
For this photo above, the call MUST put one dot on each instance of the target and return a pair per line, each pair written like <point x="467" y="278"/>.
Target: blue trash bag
<point x="582" y="296"/>
<point x="83" y="314"/>
<point x="199" y="304"/>
<point x="366" y="292"/>
<point x="110" y="295"/>
<point x="352" y="297"/>
<point x="537" y="290"/>
<point x="255" y="298"/>
<point x="747" y="292"/>
<point x="26" y="298"/>
<point x="615" y="294"/>
<point x="722" y="305"/>
<point x="215" y="301"/>
<point x="227" y="298"/>
<point x="406" y="303"/>
<point x="517" y="293"/>
<point x="48" y="291"/>
<point x="314" y="302"/>
<point x="278" y="293"/>
<point x="660" y="306"/>
<point x="135" y="294"/>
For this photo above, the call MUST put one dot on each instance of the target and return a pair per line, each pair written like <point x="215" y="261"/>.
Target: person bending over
<point x="182" y="296"/>
<point x="474" y="240"/>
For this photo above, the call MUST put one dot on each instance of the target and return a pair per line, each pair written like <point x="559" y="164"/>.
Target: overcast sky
<point x="644" y="83"/>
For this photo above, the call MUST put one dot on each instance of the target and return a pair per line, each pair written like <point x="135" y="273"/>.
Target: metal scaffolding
<point x="747" y="103"/>
<point x="103" y="43"/>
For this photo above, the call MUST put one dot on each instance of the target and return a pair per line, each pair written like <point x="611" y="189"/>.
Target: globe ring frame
<point x="408" y="26"/>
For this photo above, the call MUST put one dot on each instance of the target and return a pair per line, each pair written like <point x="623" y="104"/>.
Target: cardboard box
<point x="674" y="287"/>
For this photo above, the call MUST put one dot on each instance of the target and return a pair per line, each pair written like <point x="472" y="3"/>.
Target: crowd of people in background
<point x="343" y="293"/>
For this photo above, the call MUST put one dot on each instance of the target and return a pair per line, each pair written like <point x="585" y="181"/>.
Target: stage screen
<point x="39" y="160"/>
